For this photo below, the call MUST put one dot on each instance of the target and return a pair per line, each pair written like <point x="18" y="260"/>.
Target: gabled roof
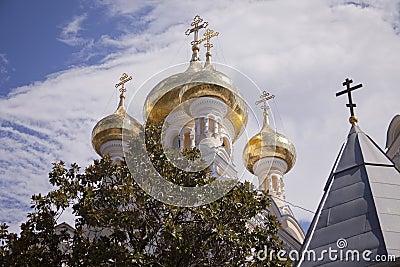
<point x="361" y="205"/>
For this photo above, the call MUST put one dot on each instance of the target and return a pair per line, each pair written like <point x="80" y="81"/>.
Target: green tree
<point x="119" y="224"/>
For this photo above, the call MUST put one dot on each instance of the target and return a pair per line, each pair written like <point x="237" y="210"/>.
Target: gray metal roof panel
<point x="393" y="241"/>
<point x="390" y="223"/>
<point x="348" y="177"/>
<point x="360" y="149"/>
<point x="371" y="152"/>
<point x="322" y="219"/>
<point x="331" y="233"/>
<point x="385" y="190"/>
<point x="388" y="205"/>
<point x="351" y="155"/>
<point x="345" y="194"/>
<point x="381" y="174"/>
<point x="348" y="210"/>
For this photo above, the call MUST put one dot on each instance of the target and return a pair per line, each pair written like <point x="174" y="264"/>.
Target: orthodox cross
<point x="197" y="25"/>
<point x="351" y="105"/>
<point x="207" y="37"/>
<point x="264" y="98"/>
<point x="124" y="79"/>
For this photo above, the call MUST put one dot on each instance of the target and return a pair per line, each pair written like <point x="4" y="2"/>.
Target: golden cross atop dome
<point x="207" y="37"/>
<point x="124" y="79"/>
<point x="197" y="25"/>
<point x="265" y="96"/>
<point x="353" y="119"/>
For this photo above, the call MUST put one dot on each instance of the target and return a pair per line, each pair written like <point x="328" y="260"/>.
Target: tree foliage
<point x="119" y="224"/>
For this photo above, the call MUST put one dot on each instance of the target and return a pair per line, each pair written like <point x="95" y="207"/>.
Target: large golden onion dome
<point x="193" y="83"/>
<point x="268" y="143"/>
<point x="116" y="126"/>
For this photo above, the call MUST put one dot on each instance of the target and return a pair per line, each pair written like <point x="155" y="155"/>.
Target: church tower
<point x="109" y="133"/>
<point x="269" y="155"/>
<point x="200" y="108"/>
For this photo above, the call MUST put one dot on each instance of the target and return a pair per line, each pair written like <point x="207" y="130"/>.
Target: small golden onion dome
<point x="268" y="143"/>
<point x="116" y="126"/>
<point x="196" y="82"/>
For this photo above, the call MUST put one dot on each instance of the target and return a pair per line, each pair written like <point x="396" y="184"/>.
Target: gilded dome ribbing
<point x="116" y="126"/>
<point x="268" y="143"/>
<point x="196" y="82"/>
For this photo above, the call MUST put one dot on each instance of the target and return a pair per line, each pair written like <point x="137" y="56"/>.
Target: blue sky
<point x="37" y="40"/>
<point x="59" y="61"/>
<point x="29" y="42"/>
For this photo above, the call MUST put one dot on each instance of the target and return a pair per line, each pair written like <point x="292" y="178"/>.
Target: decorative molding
<point x="205" y="106"/>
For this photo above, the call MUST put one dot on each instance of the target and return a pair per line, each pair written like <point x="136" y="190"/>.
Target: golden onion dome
<point x="268" y="143"/>
<point x="116" y="126"/>
<point x="193" y="83"/>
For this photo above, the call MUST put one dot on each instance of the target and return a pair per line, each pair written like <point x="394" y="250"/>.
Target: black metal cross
<point x="348" y="90"/>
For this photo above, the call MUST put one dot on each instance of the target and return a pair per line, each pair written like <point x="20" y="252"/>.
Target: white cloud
<point x="299" y="50"/>
<point x="3" y="59"/>
<point x="4" y="72"/>
<point x="70" y="33"/>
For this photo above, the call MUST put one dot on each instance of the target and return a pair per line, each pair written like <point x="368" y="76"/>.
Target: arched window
<point x="275" y="183"/>
<point x="176" y="142"/>
<point x="226" y="144"/>
<point x="186" y="140"/>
